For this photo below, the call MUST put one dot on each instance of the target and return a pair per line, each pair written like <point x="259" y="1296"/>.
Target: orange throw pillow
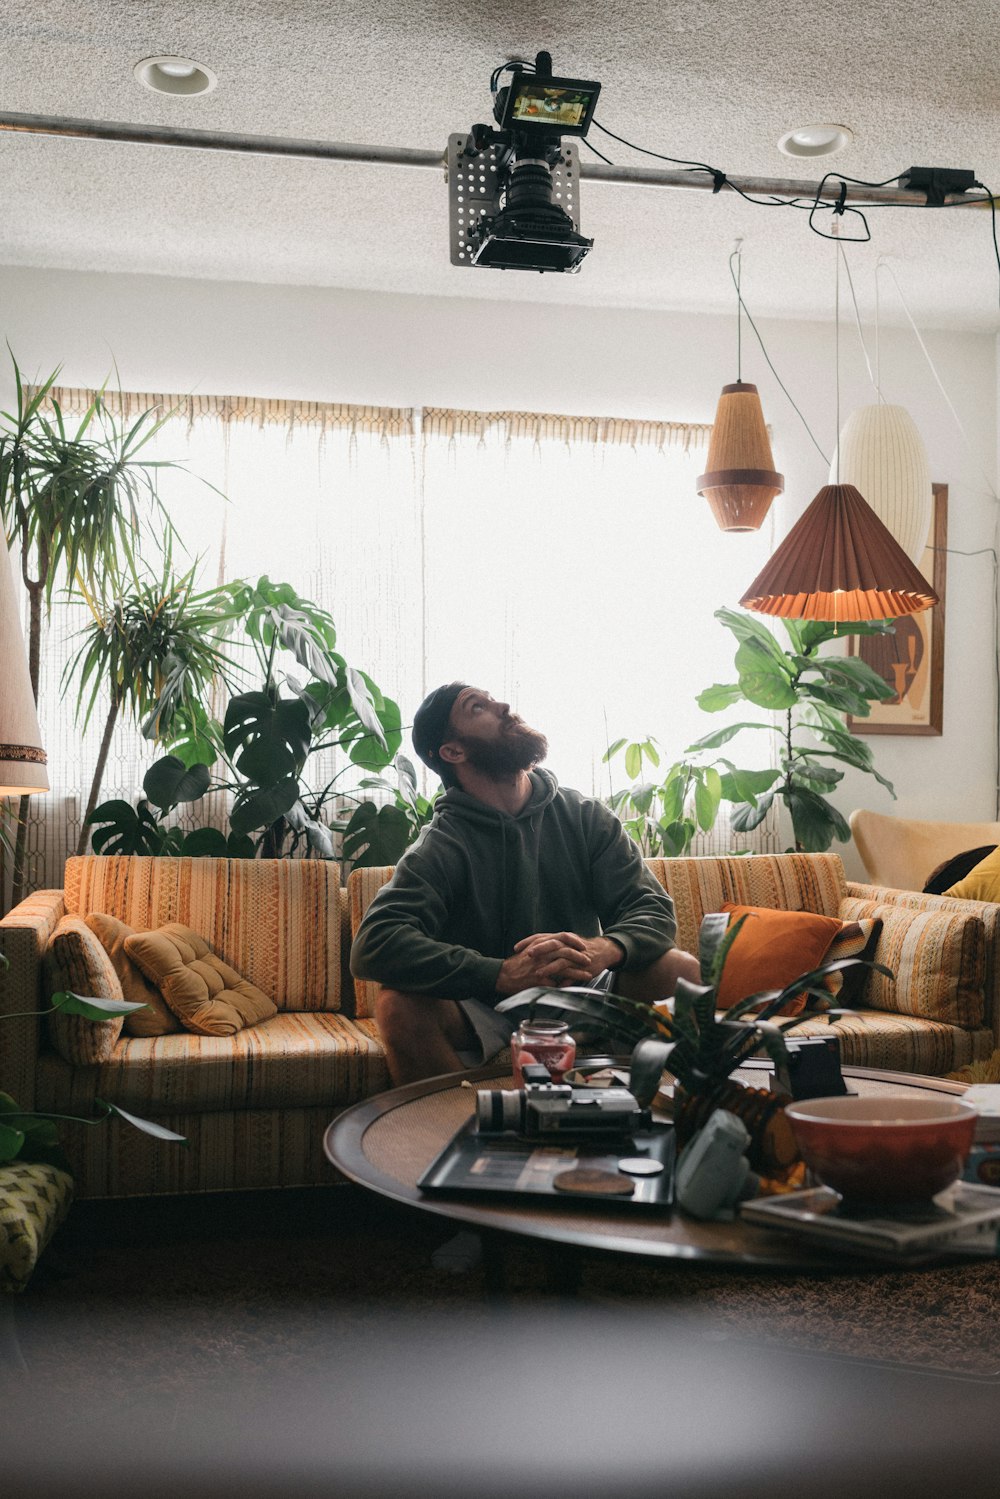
<point x="772" y="949"/>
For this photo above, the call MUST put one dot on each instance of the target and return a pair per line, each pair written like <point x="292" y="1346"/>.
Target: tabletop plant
<point x="696" y="1043"/>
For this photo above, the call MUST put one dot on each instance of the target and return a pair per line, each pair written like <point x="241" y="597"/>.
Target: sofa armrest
<point x="24" y="933"/>
<point x="988" y="913"/>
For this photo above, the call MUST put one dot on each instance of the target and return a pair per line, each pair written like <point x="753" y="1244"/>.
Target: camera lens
<point x="499" y="1109"/>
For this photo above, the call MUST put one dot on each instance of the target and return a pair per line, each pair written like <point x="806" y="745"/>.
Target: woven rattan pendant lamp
<point x="22" y="759"/>
<point x="740" y="481"/>
<point x="839" y="562"/>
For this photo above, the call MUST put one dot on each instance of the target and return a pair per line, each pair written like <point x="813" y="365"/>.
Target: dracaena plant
<point x="697" y="1043"/>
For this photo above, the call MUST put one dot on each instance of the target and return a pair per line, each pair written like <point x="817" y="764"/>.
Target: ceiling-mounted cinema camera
<point x="514" y="190"/>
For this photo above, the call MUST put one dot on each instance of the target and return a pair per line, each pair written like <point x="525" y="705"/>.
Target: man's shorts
<point x="493" y="1031"/>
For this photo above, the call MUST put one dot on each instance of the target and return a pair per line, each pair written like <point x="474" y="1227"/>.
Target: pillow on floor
<point x="207" y="996"/>
<point x="157" y="1019"/>
<point x="856" y="939"/>
<point x="74" y="959"/>
<point x="773" y="948"/>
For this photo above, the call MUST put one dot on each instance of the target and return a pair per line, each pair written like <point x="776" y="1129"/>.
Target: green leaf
<point x="707" y="796"/>
<point x="11" y="1140"/>
<point x="612" y="750"/>
<point x="815" y="821"/>
<point x="722" y="736"/>
<point x="205" y="843"/>
<point x="147" y="1126"/>
<point x="747" y="785"/>
<point x="261" y="807"/>
<point x="649" y="1058"/>
<point x="744" y="818"/>
<point x="816" y="775"/>
<point x="721" y="695"/>
<point x="92" y="1008"/>
<point x="858" y="674"/>
<point x="122" y="829"/>
<point x="763" y="681"/>
<point x="633" y="761"/>
<point x="676" y="837"/>
<point x="168" y="782"/>
<point x="711" y="935"/>
<point x="748" y="629"/>
<point x="375" y="836"/>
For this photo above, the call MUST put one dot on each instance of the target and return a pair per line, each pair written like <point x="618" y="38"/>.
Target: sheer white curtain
<point x="572" y="568"/>
<point x="564" y="564"/>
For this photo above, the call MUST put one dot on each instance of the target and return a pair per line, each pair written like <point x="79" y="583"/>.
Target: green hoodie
<point x="478" y="880"/>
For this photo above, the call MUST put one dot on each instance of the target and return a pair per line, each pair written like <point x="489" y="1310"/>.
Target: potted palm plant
<point x="73" y="503"/>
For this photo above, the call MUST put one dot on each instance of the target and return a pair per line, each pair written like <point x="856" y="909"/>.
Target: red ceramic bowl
<point x="885" y="1149"/>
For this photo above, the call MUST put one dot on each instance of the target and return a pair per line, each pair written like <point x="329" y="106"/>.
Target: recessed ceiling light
<point x="816" y="140"/>
<point x="175" y="75"/>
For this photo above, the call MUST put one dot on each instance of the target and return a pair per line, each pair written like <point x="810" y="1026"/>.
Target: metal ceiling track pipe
<point x="404" y="156"/>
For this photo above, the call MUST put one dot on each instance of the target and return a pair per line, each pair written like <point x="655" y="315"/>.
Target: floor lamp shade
<point x="22" y="759"/>
<point x="839" y="562"/>
<point x="883" y="455"/>
<point x="741" y="482"/>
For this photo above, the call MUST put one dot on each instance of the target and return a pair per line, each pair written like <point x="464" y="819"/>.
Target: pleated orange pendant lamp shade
<point x="839" y="563"/>
<point x="741" y="482"/>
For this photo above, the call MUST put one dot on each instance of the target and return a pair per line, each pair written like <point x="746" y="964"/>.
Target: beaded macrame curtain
<point x="565" y="563"/>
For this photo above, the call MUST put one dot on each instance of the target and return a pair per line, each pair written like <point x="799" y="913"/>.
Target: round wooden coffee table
<point x="385" y="1143"/>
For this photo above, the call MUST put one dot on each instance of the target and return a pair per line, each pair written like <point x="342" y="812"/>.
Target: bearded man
<point x="516" y="882"/>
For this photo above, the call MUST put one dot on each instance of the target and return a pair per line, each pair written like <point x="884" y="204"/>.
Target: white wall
<point x="313" y="343"/>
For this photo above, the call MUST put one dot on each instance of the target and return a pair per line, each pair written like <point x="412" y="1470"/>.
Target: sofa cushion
<point x="276" y="921"/>
<point x="771" y="949"/>
<point x="157" y="1019"/>
<point x="856" y="939"/>
<point x="938" y="958"/>
<point x="982" y="882"/>
<point x="292" y="1061"/>
<point x="74" y="959"/>
<point x="206" y="994"/>
<point x="901" y="1043"/>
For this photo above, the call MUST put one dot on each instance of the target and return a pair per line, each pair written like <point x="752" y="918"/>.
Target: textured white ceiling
<point x="917" y="83"/>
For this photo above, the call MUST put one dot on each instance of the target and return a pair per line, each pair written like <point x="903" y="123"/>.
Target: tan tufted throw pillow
<point x="207" y="996"/>
<point x="74" y="959"/>
<point x="157" y="1019"/>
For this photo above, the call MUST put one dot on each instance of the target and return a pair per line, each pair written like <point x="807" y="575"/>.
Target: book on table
<point x="963" y="1219"/>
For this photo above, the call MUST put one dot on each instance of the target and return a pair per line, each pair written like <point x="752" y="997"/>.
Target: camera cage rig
<point x="513" y="192"/>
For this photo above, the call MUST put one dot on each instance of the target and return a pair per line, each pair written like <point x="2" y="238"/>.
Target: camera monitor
<point x="562" y="105"/>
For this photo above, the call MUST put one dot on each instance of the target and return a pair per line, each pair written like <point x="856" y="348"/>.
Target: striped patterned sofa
<point x="254" y="1106"/>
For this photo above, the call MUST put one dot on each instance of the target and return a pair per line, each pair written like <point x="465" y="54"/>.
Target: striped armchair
<point x="254" y="1105"/>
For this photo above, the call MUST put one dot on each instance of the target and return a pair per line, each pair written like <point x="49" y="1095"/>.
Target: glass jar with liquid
<point x="546" y="1041"/>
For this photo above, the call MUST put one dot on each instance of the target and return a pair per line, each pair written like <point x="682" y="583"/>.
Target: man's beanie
<point x="430" y="722"/>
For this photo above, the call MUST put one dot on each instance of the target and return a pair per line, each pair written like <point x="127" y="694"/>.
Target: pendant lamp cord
<point x="739" y="312"/>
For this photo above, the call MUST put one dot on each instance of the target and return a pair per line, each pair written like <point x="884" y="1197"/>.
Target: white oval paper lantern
<point x="882" y="454"/>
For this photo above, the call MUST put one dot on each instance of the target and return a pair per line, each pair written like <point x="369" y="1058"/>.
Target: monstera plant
<point x="696" y="1043"/>
<point x="258" y="755"/>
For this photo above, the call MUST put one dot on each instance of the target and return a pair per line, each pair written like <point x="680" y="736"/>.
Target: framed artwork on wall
<point x="912" y="660"/>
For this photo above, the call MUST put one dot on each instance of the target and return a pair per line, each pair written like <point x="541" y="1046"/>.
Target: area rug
<point x="160" y="1293"/>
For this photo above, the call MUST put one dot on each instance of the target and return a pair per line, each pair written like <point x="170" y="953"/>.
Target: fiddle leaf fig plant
<point x="812" y="692"/>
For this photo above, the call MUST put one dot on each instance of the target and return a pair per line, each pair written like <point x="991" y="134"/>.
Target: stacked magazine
<point x="963" y="1219"/>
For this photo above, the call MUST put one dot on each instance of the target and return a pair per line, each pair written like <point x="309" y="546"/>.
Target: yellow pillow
<point x="157" y="1019"/>
<point x="981" y="883"/>
<point x="207" y="996"/>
